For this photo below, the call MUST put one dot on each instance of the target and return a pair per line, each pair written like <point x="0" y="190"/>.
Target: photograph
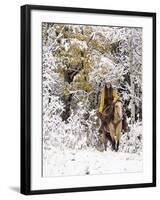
<point x="88" y="99"/>
<point x="92" y="94"/>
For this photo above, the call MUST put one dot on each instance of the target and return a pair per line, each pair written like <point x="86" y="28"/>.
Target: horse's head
<point x="118" y="110"/>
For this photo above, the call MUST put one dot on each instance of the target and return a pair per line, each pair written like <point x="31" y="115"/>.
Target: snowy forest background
<point x="77" y="61"/>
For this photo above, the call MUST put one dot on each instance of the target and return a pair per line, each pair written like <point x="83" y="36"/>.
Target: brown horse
<point x="111" y="127"/>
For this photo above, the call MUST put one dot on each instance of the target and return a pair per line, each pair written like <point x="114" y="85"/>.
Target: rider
<point x="109" y="97"/>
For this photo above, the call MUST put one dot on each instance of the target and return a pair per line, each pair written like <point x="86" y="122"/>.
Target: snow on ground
<point x="90" y="161"/>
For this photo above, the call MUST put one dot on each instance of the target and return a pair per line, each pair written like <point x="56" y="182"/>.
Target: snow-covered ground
<point x="90" y="161"/>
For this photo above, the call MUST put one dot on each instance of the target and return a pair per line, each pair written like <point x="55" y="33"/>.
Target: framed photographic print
<point x="88" y="99"/>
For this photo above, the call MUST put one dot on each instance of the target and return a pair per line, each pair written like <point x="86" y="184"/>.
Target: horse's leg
<point x="106" y="141"/>
<point x="112" y="133"/>
<point x="117" y="145"/>
<point x="105" y="146"/>
<point x="118" y="135"/>
<point x="113" y="144"/>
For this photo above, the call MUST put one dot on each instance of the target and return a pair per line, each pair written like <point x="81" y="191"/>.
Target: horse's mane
<point x="108" y="95"/>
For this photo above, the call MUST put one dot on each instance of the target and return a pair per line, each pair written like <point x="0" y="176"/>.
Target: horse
<point x="111" y="127"/>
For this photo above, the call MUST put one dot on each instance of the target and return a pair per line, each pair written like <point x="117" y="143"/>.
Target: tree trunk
<point x="132" y="82"/>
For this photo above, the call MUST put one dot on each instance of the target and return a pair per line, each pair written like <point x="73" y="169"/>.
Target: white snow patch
<point x="89" y="161"/>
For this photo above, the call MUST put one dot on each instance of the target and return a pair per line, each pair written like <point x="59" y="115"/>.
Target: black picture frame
<point x="25" y="183"/>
